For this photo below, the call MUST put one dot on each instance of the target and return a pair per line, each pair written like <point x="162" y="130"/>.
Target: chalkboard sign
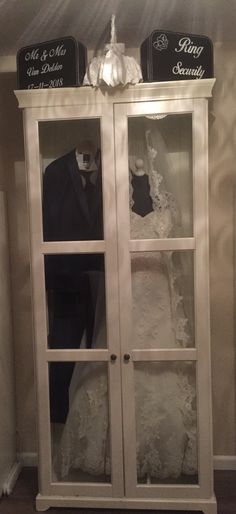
<point x="169" y="55"/>
<point x="56" y="63"/>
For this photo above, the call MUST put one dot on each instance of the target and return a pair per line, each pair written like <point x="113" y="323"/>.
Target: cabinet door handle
<point x="113" y="357"/>
<point x="126" y="357"/>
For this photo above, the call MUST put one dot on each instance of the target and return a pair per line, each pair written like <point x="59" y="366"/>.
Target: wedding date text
<point x="51" y="83"/>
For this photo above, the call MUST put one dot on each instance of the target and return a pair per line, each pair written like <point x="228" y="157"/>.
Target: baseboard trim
<point x="220" y="462"/>
<point x="225" y="462"/>
<point x="11" y="479"/>
<point x="28" y="459"/>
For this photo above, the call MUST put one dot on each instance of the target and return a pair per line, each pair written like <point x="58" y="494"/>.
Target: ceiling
<point x="25" y="22"/>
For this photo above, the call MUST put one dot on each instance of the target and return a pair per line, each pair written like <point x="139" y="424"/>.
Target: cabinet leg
<point x="41" y="504"/>
<point x="41" y="508"/>
<point x="210" y="508"/>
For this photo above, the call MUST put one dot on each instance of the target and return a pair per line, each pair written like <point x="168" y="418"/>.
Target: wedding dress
<point x="165" y="403"/>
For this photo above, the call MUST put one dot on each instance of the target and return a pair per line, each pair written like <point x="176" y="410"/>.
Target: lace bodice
<point x="156" y="224"/>
<point x="163" y="220"/>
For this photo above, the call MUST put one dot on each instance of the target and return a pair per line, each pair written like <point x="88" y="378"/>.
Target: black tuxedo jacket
<point x="67" y="216"/>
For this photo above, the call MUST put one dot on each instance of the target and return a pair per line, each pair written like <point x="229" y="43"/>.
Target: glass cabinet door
<point x="157" y="258"/>
<point x="160" y="175"/>
<point x="72" y="180"/>
<point x="72" y="210"/>
<point x="75" y="273"/>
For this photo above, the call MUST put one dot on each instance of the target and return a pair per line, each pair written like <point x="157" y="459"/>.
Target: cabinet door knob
<point x="113" y="357"/>
<point x="126" y="357"/>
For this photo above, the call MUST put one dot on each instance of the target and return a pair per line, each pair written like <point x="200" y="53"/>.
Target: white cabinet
<point x="121" y="296"/>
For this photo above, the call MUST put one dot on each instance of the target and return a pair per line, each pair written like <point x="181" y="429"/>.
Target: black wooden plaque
<point x="52" y="64"/>
<point x="169" y="55"/>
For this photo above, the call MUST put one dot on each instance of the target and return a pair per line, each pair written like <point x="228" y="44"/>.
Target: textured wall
<point x="7" y="382"/>
<point x="222" y="234"/>
<point x="12" y="156"/>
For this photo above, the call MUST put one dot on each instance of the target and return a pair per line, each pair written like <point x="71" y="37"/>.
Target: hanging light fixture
<point x="113" y="67"/>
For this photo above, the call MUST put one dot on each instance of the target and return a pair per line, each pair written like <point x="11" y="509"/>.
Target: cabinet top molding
<point x="140" y="92"/>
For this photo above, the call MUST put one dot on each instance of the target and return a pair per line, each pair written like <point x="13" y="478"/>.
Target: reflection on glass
<point x="160" y="163"/>
<point x="71" y="180"/>
<point x="75" y="286"/>
<point x="81" y="444"/>
<point x="162" y="299"/>
<point x="166" y="422"/>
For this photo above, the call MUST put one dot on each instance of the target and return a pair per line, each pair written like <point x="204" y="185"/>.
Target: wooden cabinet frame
<point x="113" y="109"/>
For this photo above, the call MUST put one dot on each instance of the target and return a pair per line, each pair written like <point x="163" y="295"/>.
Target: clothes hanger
<point x="85" y="155"/>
